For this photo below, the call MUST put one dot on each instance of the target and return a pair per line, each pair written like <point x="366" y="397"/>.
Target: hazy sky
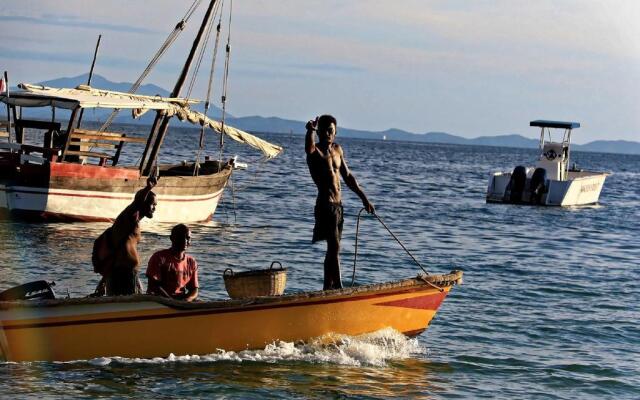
<point x="469" y="68"/>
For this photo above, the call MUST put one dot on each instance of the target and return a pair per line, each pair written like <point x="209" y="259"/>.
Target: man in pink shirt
<point x="172" y="272"/>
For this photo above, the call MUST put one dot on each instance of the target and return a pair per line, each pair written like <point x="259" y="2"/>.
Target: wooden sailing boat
<point x="67" y="179"/>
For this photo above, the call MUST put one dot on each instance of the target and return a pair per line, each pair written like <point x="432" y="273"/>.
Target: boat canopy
<point x="85" y="96"/>
<point x="554" y="124"/>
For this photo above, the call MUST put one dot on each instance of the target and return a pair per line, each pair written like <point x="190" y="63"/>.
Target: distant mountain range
<point x="275" y="124"/>
<point x="280" y="125"/>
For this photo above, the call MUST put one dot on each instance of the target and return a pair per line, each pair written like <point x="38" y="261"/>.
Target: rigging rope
<point x="225" y="79"/>
<point x="210" y="83"/>
<point x="163" y="48"/>
<point x="201" y="51"/>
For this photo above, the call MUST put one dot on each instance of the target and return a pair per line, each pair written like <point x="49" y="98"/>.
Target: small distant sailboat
<point x="550" y="182"/>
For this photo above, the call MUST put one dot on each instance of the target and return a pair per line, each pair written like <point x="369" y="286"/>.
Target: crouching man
<point x="172" y="272"/>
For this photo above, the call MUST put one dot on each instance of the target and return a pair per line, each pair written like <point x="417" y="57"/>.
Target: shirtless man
<point x="326" y="164"/>
<point x="172" y="272"/>
<point x="121" y="273"/>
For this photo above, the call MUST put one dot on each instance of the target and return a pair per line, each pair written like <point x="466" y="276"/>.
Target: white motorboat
<point x="550" y="182"/>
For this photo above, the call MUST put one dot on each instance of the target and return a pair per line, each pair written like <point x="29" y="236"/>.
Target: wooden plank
<point x="109" y="138"/>
<point x="89" y="154"/>
<point x="123" y="136"/>
<point x="4" y="134"/>
<point x="101" y="133"/>
<point x="6" y="124"/>
<point x="93" y="144"/>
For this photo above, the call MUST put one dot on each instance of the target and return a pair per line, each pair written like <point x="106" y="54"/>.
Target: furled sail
<point x="85" y="96"/>
<point x="268" y="149"/>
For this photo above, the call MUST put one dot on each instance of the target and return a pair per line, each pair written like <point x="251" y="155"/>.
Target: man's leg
<point x="121" y="282"/>
<point x="332" y="279"/>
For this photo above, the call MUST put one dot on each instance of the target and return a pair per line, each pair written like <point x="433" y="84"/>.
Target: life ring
<point x="551" y="155"/>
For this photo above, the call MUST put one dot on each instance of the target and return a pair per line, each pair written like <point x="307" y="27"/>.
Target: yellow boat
<point x="149" y="326"/>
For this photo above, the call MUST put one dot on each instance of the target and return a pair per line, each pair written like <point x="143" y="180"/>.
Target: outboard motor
<point x="537" y="186"/>
<point x="517" y="184"/>
<point x="29" y="291"/>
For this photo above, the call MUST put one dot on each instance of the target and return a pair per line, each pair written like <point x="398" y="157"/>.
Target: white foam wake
<point x="373" y="349"/>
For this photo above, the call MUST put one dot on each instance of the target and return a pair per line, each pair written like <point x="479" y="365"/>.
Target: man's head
<point x="327" y="128"/>
<point x="149" y="205"/>
<point x="180" y="237"/>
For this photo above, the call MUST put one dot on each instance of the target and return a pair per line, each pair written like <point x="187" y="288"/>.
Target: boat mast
<point x="147" y="162"/>
<point x="93" y="64"/>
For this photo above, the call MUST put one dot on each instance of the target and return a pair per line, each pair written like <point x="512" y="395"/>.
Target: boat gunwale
<point x="230" y="305"/>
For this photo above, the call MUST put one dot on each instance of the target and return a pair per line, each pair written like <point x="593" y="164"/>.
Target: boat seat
<point x="551" y="159"/>
<point x="81" y="141"/>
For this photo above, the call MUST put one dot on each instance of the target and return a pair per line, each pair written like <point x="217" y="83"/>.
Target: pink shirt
<point x="173" y="274"/>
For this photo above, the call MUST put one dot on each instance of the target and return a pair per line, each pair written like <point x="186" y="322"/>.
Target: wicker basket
<point x="265" y="282"/>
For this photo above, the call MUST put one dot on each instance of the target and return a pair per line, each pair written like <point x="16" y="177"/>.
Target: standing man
<point x="172" y="272"/>
<point x="115" y="252"/>
<point x="326" y="164"/>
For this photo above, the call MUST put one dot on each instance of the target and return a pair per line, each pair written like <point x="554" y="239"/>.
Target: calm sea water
<point x="549" y="308"/>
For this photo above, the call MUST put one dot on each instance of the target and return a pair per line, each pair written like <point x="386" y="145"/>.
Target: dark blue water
<point x="549" y="308"/>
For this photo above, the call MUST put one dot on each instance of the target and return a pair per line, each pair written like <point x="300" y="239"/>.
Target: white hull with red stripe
<point x="74" y="192"/>
<point x="103" y="206"/>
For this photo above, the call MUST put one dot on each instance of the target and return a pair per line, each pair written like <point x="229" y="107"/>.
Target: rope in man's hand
<point x="355" y="255"/>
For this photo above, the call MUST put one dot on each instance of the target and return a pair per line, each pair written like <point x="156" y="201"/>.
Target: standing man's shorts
<point x="329" y="221"/>
<point x="123" y="282"/>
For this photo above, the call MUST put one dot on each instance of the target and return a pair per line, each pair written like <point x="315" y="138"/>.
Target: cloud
<point x="336" y="68"/>
<point x="69" y="57"/>
<point x="73" y="22"/>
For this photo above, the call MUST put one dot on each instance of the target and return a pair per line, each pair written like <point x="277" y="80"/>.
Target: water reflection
<point x="409" y="378"/>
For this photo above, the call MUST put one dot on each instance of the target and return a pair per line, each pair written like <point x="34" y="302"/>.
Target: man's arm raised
<point x="309" y="141"/>
<point x="352" y="183"/>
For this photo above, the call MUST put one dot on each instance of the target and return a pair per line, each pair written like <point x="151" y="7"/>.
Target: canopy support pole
<point x="152" y="135"/>
<point x="6" y="82"/>
<point x="164" y="125"/>
<point x="72" y="119"/>
<point x="18" y="129"/>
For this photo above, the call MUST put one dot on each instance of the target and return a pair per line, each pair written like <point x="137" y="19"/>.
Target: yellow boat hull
<point x="149" y="326"/>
